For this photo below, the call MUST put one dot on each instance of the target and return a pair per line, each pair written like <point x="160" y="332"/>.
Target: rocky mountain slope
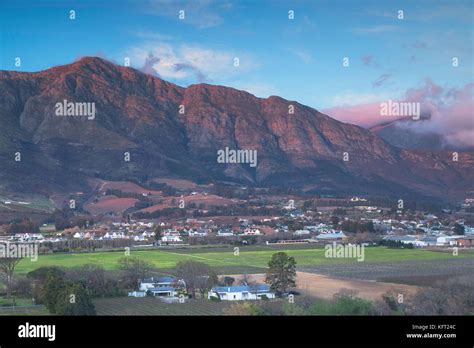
<point x="168" y="129"/>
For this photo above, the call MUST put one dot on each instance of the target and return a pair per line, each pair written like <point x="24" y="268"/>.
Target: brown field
<point x="110" y="204"/>
<point x="325" y="287"/>
<point x="207" y="200"/>
<point x="154" y="208"/>
<point x="126" y="186"/>
<point x="179" y="184"/>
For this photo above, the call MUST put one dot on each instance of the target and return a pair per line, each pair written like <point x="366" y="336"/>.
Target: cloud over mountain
<point x="447" y="112"/>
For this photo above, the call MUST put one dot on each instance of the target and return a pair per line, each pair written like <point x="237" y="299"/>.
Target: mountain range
<point x="169" y="130"/>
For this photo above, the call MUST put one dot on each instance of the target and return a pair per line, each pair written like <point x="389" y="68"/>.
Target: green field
<point x="251" y="258"/>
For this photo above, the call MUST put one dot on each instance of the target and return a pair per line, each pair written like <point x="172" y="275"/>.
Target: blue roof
<point x="330" y="235"/>
<point x="242" y="288"/>
<point x="159" y="280"/>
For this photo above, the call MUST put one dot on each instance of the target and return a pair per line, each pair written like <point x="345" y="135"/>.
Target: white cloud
<point x="187" y="61"/>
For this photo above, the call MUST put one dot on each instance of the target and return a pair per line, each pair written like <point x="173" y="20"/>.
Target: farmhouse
<point x="167" y="291"/>
<point x="163" y="286"/>
<point x="149" y="283"/>
<point x="241" y="293"/>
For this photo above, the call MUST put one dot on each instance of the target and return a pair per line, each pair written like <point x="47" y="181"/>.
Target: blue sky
<point x="299" y="59"/>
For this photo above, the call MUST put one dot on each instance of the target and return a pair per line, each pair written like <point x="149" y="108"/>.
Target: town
<point x="130" y="220"/>
<point x="352" y="222"/>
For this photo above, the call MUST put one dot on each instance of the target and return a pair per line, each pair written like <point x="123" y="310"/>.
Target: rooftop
<point x="242" y="288"/>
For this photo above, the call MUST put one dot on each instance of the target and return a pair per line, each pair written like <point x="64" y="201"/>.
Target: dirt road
<point x="325" y="287"/>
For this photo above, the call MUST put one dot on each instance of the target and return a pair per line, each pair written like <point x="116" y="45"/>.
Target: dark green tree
<point x="66" y="298"/>
<point x="281" y="273"/>
<point x="54" y="288"/>
<point x="75" y="300"/>
<point x="458" y="229"/>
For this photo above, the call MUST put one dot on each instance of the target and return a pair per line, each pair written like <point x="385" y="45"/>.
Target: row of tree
<point x="69" y="291"/>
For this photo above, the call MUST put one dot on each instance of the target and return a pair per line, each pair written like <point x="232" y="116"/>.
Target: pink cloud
<point x="445" y="111"/>
<point x="365" y="115"/>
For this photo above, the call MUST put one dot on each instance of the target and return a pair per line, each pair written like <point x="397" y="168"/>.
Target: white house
<point x="162" y="286"/>
<point x="241" y="293"/>
<point x="167" y="291"/>
<point x="171" y="238"/>
<point x="225" y="233"/>
<point x="198" y="233"/>
<point x="252" y="232"/>
<point x="150" y="283"/>
<point x="139" y="238"/>
<point x="443" y="240"/>
<point x="78" y="235"/>
<point x="301" y="232"/>
<point x="426" y="241"/>
<point x="148" y="234"/>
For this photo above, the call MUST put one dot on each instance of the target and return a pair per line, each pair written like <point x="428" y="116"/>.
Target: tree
<point x="196" y="275"/>
<point x="66" y="298"/>
<point x="75" y="300"/>
<point x="454" y="296"/>
<point x="229" y="281"/>
<point x="7" y="267"/>
<point x="92" y="277"/>
<point x="23" y="287"/>
<point x="135" y="269"/>
<point x="158" y="232"/>
<point x="335" y="221"/>
<point x="458" y="229"/>
<point x="54" y="288"/>
<point x="22" y="226"/>
<point x="39" y="277"/>
<point x="281" y="273"/>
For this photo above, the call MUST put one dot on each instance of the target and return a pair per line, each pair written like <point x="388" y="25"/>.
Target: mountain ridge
<point x="140" y="114"/>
